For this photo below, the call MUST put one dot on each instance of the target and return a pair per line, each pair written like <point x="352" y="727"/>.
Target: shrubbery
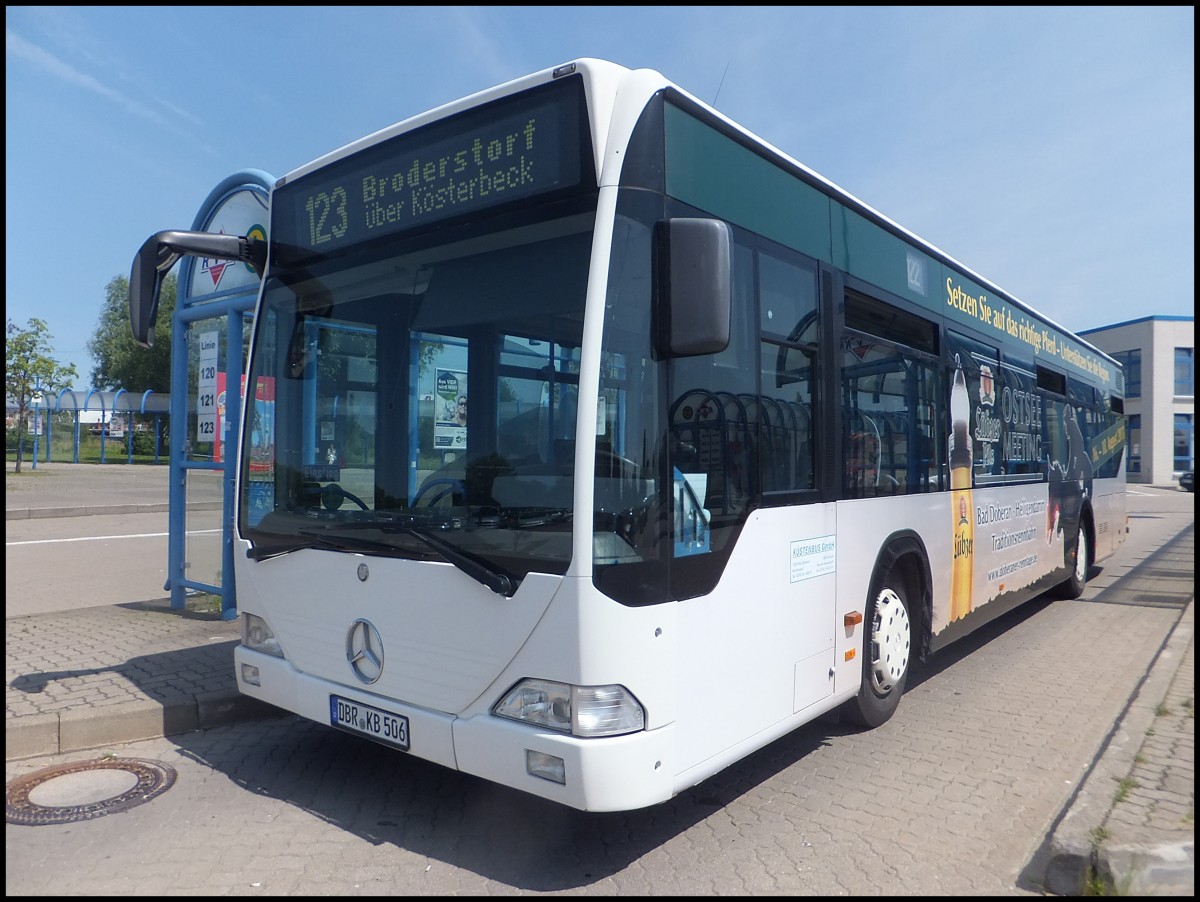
<point x="143" y="443"/>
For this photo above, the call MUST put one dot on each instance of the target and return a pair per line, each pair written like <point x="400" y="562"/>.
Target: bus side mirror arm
<point x="162" y="251"/>
<point x="693" y="278"/>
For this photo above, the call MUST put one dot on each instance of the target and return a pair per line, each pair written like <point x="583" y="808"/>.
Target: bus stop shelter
<point x="114" y="416"/>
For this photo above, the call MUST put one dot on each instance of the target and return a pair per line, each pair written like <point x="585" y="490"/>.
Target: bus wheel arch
<point x="898" y="612"/>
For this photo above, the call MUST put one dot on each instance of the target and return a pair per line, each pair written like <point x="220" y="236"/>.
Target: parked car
<point x="1187" y="480"/>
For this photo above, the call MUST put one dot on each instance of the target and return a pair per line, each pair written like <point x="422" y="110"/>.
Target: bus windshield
<point x="419" y="401"/>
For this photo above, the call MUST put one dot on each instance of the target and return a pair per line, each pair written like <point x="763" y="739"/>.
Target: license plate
<point x="383" y="726"/>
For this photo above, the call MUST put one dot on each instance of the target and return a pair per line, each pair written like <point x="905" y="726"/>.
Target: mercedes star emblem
<point x="364" y="651"/>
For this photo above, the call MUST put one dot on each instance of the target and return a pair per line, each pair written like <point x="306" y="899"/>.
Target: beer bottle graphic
<point x="961" y="572"/>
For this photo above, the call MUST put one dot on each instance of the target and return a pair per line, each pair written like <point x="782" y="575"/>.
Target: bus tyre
<point x="1073" y="586"/>
<point x="887" y="652"/>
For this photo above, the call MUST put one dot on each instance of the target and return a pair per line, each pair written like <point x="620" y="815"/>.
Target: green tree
<point x="120" y="361"/>
<point x="29" y="368"/>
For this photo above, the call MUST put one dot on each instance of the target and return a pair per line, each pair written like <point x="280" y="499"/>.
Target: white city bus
<point x="595" y="443"/>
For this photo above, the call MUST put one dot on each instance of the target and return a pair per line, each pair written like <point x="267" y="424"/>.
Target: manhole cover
<point x="84" y="790"/>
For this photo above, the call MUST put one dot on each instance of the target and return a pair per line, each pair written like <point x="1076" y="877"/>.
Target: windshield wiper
<point x="529" y="517"/>
<point x="475" y="566"/>
<point x="317" y="541"/>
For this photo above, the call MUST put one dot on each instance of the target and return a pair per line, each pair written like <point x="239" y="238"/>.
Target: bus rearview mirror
<point x="694" y="265"/>
<point x="161" y="251"/>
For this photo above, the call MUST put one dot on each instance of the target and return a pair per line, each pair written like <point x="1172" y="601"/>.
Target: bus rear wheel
<point x="1073" y="586"/>
<point x="888" y="651"/>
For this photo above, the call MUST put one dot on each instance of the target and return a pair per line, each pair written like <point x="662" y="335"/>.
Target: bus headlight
<point x="257" y="635"/>
<point x="578" y="710"/>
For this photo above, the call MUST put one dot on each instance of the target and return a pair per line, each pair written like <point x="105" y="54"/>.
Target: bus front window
<point x="421" y="401"/>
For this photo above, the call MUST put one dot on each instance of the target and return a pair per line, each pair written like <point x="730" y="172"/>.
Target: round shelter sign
<point x="242" y="213"/>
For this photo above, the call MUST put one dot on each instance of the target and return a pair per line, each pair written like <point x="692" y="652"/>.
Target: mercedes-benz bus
<point x="593" y="443"/>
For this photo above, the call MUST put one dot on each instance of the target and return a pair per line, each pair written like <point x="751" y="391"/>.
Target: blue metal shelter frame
<point x="108" y="403"/>
<point x="232" y="304"/>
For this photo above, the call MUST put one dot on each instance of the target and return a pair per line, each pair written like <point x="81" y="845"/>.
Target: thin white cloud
<point x="17" y="47"/>
<point x="44" y="61"/>
<point x="71" y="33"/>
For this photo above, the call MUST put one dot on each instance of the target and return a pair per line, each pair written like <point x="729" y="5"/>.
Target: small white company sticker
<point x="813" y="557"/>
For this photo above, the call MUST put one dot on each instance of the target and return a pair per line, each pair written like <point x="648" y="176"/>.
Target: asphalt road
<point x="955" y="795"/>
<point x="65" y="563"/>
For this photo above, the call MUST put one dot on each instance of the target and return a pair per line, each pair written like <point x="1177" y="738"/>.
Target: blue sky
<point x="1052" y="150"/>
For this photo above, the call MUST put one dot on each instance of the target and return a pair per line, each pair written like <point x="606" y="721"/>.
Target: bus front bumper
<point x="615" y="773"/>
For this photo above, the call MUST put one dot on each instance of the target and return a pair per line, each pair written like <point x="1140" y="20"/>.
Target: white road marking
<point x="144" y="535"/>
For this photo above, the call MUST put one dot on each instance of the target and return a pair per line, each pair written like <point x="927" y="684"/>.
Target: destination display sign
<point x="512" y="150"/>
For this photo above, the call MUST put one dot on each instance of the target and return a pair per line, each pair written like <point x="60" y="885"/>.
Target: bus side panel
<point x="761" y="646"/>
<point x="1016" y="547"/>
<point x="864" y="526"/>
<point x="1109" y="511"/>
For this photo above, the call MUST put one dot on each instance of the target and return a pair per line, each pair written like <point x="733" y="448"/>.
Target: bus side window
<point x="889" y="395"/>
<point x="789" y="336"/>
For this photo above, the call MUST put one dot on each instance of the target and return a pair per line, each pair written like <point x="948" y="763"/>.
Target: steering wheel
<point x="446" y="486"/>
<point x="614" y="466"/>
<point x="333" y="494"/>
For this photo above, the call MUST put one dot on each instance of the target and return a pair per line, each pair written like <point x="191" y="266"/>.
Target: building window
<point x="1184" y="454"/>
<point x="1135" y="443"/>
<point x="1185" y="378"/>
<point x="1131" y="362"/>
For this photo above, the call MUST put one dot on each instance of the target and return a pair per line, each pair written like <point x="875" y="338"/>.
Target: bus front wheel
<point x="888" y="652"/>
